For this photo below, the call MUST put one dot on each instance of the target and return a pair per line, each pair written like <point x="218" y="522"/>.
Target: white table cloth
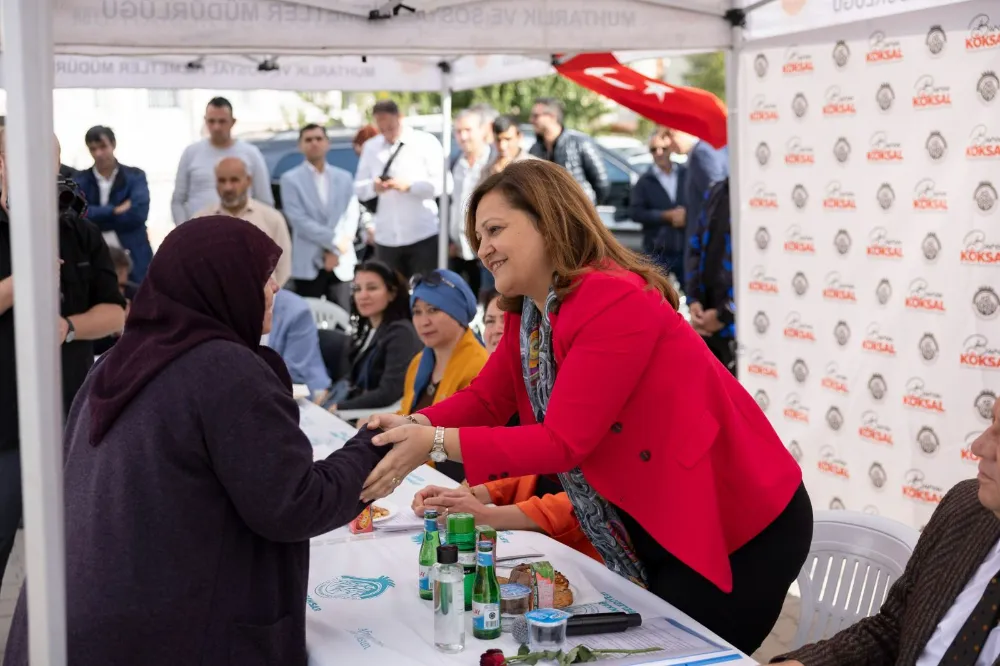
<point x="363" y="606"/>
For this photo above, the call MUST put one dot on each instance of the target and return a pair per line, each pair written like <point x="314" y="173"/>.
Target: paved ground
<point x="779" y="641"/>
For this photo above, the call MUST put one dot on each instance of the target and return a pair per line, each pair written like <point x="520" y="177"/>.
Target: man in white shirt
<point x="466" y="173"/>
<point x="406" y="189"/>
<point x="194" y="188"/>
<point x="945" y="607"/>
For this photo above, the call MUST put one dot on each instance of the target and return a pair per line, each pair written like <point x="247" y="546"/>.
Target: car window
<point x="615" y="173"/>
<point x="343" y="157"/>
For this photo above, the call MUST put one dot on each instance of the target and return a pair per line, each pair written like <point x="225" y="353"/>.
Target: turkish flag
<point x="690" y="110"/>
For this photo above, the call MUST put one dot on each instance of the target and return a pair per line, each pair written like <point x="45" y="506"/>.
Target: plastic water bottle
<point x="449" y="601"/>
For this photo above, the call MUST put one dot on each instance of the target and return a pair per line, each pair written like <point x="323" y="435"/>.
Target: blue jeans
<point x="10" y="503"/>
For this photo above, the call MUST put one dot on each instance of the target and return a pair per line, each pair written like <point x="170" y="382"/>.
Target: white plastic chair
<point x="854" y="559"/>
<point x="328" y="314"/>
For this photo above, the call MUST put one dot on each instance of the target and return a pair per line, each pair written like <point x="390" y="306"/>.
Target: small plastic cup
<point x="546" y="629"/>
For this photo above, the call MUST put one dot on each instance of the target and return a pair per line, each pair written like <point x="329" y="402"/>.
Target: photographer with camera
<point x="91" y="307"/>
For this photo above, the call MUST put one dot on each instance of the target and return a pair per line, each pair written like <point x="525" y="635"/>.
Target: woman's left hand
<point x="411" y="447"/>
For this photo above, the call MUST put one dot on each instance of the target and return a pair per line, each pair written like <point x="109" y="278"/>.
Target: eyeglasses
<point x="433" y="279"/>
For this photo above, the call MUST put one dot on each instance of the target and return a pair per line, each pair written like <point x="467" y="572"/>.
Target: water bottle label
<point x="425" y="578"/>
<point x="485" y="616"/>
<point x="467" y="559"/>
<point x="485" y="559"/>
<point x="430" y="525"/>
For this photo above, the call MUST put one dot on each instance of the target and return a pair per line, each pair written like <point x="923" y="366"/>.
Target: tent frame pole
<point x="445" y="210"/>
<point x="732" y="56"/>
<point x="31" y="164"/>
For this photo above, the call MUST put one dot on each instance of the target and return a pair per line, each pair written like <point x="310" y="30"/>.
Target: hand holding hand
<point x="390" y="421"/>
<point x="459" y="500"/>
<point x="411" y="448"/>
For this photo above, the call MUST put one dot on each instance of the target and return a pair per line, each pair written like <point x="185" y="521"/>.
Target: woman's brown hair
<point x="575" y="237"/>
<point x="363" y="134"/>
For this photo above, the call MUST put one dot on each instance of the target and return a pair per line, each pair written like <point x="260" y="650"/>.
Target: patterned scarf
<point x="598" y="518"/>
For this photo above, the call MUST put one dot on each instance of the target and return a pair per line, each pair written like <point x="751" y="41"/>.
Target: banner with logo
<point x="869" y="253"/>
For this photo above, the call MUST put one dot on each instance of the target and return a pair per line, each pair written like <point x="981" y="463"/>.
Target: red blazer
<point x="655" y="422"/>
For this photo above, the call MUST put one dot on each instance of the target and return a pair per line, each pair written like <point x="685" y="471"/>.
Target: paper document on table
<point x="678" y="643"/>
<point x="404" y="521"/>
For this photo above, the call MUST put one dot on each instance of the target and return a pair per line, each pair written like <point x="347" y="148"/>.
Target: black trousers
<point x="763" y="570"/>
<point x="326" y="285"/>
<point x="470" y="272"/>
<point x="724" y="350"/>
<point x="420" y="257"/>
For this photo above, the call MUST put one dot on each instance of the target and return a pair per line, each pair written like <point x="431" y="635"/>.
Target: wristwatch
<point x="438" y="454"/>
<point x="71" y="333"/>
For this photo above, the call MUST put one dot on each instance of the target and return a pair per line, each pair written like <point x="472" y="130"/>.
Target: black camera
<point x="72" y="204"/>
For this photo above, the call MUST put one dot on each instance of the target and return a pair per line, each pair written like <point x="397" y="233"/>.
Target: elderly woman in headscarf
<point x="443" y="306"/>
<point x="190" y="491"/>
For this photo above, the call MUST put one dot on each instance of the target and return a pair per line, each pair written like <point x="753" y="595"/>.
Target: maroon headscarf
<point x="206" y="282"/>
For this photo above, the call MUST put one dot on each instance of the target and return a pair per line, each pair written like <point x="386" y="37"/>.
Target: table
<point x="363" y="606"/>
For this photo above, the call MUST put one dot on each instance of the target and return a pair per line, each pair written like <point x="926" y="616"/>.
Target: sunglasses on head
<point x="433" y="279"/>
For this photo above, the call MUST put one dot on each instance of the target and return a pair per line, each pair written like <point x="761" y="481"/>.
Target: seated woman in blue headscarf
<point x="443" y="307"/>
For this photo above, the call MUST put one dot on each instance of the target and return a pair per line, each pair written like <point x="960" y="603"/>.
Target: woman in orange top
<point x="529" y="503"/>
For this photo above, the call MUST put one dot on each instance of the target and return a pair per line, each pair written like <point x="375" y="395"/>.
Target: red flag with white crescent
<point x="690" y="110"/>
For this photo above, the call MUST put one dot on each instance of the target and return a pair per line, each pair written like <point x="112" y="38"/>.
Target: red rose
<point x="492" y="657"/>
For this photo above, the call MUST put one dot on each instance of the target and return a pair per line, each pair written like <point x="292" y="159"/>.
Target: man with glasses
<point x="195" y="187"/>
<point x="659" y="203"/>
<point x="571" y="149"/>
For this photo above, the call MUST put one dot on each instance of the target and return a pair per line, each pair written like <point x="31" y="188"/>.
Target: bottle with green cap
<point x="428" y="553"/>
<point x="462" y="534"/>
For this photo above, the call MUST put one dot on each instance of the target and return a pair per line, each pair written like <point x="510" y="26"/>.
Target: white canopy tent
<point x="457" y="32"/>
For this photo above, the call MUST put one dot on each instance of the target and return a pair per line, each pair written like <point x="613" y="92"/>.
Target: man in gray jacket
<point x="574" y="150"/>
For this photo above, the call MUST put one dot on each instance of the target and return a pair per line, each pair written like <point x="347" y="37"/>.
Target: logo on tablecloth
<point x="365" y="638"/>
<point x="354" y="587"/>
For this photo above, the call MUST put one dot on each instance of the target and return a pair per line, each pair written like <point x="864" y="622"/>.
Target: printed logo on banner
<point x="798" y="242"/>
<point x="761" y="282"/>
<point x="794" y="410"/>
<point x="761" y="322"/>
<point x="928" y="440"/>
<point x="759" y="366"/>
<point x="797" y="62"/>
<point x="983" y="34"/>
<point x="885" y="96"/>
<point x="762" y="199"/>
<point x="931" y="246"/>
<point x="983" y="144"/>
<point x="983" y="404"/>
<point x="763" y="400"/>
<point x="763" y="153"/>
<point x="838" y="103"/>
<point x="882" y="246"/>
<point x="985" y="196"/>
<point x="837" y="504"/>
<point x="976" y="249"/>
<point x="927" y="197"/>
<point x="928" y="347"/>
<point x="936" y="40"/>
<point x="800" y="105"/>
<point x="885" y="196"/>
<point x="883" y="291"/>
<point x="762" y="111"/>
<point x="762" y="238"/>
<point x="871" y="510"/>
<point x="988" y="86"/>
<point x="881" y="150"/>
<point x="842" y="333"/>
<point x="834" y="381"/>
<point x="918" y="396"/>
<point x="936" y="146"/>
<point x="800" y="284"/>
<point x="800" y="370"/>
<point x="797" y="154"/>
<point x="916" y="487"/>
<point x="796" y="329"/>
<point x="795" y="450"/>
<point x="927" y="94"/>
<point x="921" y="297"/>
<point x="354" y="587"/>
<point x="883" y="49"/>
<point x="837" y="289"/>
<point x="877" y="342"/>
<point x="966" y="453"/>
<point x="834" y="418"/>
<point x="877" y="475"/>
<point x="986" y="303"/>
<point x="831" y="463"/>
<point x="841" y="150"/>
<point x="978" y="352"/>
<point x="839" y="199"/>
<point x="873" y="431"/>
<point x="760" y="65"/>
<point x="877" y="387"/>
<point x="800" y="196"/>
<point x="842" y="242"/>
<point x="841" y="54"/>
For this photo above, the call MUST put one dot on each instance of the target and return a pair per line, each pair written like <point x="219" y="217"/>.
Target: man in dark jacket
<point x="658" y="202"/>
<point x="117" y="200"/>
<point x="573" y="150"/>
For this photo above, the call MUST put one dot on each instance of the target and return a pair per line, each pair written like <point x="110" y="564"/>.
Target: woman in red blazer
<point x="675" y="474"/>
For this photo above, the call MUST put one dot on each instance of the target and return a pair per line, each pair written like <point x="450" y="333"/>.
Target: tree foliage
<point x="708" y="72"/>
